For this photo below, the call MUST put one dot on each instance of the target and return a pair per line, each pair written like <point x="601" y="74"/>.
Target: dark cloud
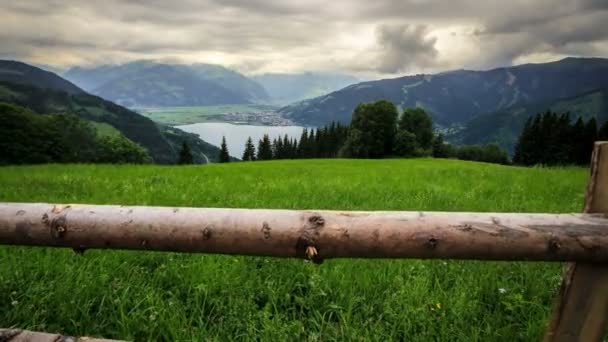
<point x="404" y="47"/>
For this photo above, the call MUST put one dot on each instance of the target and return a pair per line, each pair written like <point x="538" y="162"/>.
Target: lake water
<point x="236" y="135"/>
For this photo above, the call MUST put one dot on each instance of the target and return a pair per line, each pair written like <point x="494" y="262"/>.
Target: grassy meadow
<point x="170" y="296"/>
<point x="190" y="115"/>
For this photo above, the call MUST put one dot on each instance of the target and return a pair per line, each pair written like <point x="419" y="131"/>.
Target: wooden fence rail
<point x="313" y="234"/>
<point x="17" y="335"/>
<point x="580" y="312"/>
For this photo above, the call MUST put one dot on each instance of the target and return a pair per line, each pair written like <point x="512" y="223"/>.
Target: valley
<point x="252" y="114"/>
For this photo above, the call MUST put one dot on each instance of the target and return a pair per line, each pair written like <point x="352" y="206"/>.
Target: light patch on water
<point x="236" y="135"/>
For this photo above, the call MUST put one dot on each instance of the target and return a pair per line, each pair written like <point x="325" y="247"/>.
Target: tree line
<point x="324" y="142"/>
<point x="376" y="131"/>
<point x="554" y="139"/>
<point x="27" y="137"/>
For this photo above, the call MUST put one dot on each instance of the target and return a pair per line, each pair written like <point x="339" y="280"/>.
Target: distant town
<point x="266" y="118"/>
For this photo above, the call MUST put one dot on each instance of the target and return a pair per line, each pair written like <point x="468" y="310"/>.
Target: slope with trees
<point x="503" y="127"/>
<point x="30" y="138"/>
<point x="162" y="142"/>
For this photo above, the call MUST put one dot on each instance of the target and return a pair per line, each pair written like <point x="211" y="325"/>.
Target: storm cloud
<point x="382" y="37"/>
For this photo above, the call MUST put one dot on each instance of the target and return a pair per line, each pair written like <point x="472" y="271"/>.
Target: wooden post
<point x="581" y="310"/>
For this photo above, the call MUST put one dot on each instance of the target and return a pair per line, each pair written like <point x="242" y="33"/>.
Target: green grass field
<point x="190" y="115"/>
<point x="168" y="296"/>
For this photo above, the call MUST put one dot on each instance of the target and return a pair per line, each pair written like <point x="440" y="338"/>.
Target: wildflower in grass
<point x="14" y="303"/>
<point x="502" y="290"/>
<point x="438" y="305"/>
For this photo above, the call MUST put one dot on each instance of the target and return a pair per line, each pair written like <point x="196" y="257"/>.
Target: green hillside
<point x="27" y="137"/>
<point x="162" y="142"/>
<point x="504" y="127"/>
<point x="21" y="73"/>
<point x="167" y="296"/>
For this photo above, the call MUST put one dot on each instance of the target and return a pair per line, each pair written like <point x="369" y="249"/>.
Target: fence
<point x="579" y="314"/>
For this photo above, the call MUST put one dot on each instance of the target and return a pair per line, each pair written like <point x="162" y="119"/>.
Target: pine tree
<point x="521" y="156"/>
<point x="286" y="147"/>
<point x="185" y="155"/>
<point x="302" y="144"/>
<point x="552" y="139"/>
<point x="224" y="156"/>
<point x="277" y="148"/>
<point x="311" y="147"/>
<point x="294" y="148"/>
<point x="249" y="153"/>
<point x="264" y="148"/>
<point x="332" y="140"/>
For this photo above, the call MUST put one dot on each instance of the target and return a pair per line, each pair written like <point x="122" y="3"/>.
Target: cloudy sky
<point x="367" y="37"/>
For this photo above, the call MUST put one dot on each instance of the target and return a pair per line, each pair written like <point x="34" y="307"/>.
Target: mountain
<point x="288" y="88"/>
<point x="162" y="142"/>
<point x="503" y="127"/>
<point x="457" y="96"/>
<point x="230" y="79"/>
<point x="151" y="84"/>
<point x="21" y="73"/>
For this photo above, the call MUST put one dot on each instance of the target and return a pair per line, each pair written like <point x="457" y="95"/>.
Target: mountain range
<point x="45" y="92"/>
<point x="457" y="96"/>
<point x="151" y="84"/>
<point x="154" y="84"/>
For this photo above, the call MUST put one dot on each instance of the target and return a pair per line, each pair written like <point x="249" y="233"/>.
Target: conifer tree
<point x="265" y="148"/>
<point x="185" y="155"/>
<point x="552" y="139"/>
<point x="249" y="153"/>
<point x="310" y="148"/>
<point x="303" y="144"/>
<point x="224" y="155"/>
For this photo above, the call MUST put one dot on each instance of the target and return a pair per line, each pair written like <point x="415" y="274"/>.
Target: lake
<point x="236" y="135"/>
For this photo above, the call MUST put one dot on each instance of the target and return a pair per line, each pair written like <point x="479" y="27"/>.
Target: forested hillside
<point x="503" y="127"/>
<point x="458" y="96"/>
<point x="161" y="142"/>
<point x="30" y="138"/>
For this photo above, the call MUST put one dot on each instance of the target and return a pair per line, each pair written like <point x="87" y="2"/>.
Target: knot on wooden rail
<point x="307" y="245"/>
<point x="57" y="225"/>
